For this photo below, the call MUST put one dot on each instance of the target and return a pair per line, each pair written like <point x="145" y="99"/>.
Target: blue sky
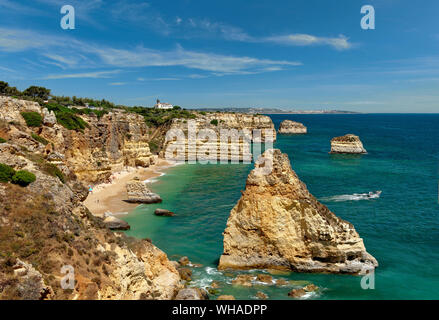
<point x="307" y="54"/>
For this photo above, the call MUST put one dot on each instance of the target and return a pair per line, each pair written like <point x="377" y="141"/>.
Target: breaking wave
<point x="353" y="197"/>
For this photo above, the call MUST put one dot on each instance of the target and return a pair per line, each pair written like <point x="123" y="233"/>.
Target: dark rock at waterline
<point x="184" y="261"/>
<point x="185" y="274"/>
<point x="114" y="223"/>
<point x="163" y="213"/>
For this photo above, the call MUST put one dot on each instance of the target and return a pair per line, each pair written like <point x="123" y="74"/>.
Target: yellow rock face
<point x="278" y="224"/>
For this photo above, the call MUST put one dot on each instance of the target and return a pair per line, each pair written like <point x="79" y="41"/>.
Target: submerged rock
<point x="349" y="143"/>
<point x="138" y="192"/>
<point x="114" y="223"/>
<point x="292" y="127"/>
<point x="163" y="213"/>
<point x="244" y="280"/>
<point x="278" y="224"/>
<point x="311" y="288"/>
<point x="266" y="278"/>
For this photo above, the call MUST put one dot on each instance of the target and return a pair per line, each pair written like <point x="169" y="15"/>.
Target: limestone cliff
<point x="292" y="127"/>
<point x="278" y="224"/>
<point x="349" y="143"/>
<point x="45" y="227"/>
<point x="106" y="145"/>
<point x="207" y="141"/>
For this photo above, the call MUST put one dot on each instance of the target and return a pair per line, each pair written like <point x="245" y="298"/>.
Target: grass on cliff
<point x="22" y="177"/>
<point x="67" y="117"/>
<point x="40" y="139"/>
<point x="33" y="119"/>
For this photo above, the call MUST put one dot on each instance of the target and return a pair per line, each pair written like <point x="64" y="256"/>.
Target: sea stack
<point x="292" y="127"/>
<point x="349" y="143"/>
<point x="278" y="224"/>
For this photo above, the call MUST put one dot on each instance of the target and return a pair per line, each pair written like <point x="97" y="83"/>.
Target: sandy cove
<point x="108" y="197"/>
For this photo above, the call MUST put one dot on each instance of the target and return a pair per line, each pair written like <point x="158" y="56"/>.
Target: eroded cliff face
<point x="219" y="136"/>
<point x="278" y="224"/>
<point x="349" y="143"/>
<point x="108" y="144"/>
<point x="45" y="227"/>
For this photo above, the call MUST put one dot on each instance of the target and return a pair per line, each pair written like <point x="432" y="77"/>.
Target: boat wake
<point x="353" y="197"/>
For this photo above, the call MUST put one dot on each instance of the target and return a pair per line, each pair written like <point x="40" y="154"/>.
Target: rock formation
<point x="138" y="192"/>
<point x="114" y="223"/>
<point x="278" y="224"/>
<point x="202" y="139"/>
<point x="349" y="143"/>
<point x="45" y="226"/>
<point x="292" y="127"/>
<point x="163" y="213"/>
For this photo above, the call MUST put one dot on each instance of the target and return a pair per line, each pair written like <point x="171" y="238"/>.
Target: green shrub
<point x="214" y="122"/>
<point x="33" y="119"/>
<point x="2" y="140"/>
<point x="23" y="178"/>
<point x="6" y="173"/>
<point x="67" y="117"/>
<point x="40" y="139"/>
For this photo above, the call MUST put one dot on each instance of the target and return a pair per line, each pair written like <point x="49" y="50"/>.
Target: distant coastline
<point x="275" y="111"/>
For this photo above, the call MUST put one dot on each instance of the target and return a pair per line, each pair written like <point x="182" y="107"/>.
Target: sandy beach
<point x="108" y="197"/>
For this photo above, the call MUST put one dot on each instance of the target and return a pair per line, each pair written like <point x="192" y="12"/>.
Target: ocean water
<point x="400" y="229"/>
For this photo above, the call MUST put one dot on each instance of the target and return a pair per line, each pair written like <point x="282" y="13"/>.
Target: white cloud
<point x="339" y="43"/>
<point x="144" y="57"/>
<point x="92" y="75"/>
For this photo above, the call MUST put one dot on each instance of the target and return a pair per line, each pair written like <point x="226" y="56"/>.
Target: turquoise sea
<point x="400" y="229"/>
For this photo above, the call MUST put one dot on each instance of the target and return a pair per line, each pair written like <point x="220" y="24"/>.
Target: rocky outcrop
<point x="217" y="136"/>
<point x="138" y="192"/>
<point x="292" y="127"/>
<point x="114" y="223"/>
<point x="45" y="227"/>
<point x="163" y="213"/>
<point x="278" y="224"/>
<point x="108" y="144"/>
<point x="349" y="143"/>
<point x="192" y="294"/>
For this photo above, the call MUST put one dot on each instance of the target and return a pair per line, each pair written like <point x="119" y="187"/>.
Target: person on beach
<point x="90" y="189"/>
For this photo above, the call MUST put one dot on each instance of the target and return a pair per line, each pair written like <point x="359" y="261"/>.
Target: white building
<point x="163" y="105"/>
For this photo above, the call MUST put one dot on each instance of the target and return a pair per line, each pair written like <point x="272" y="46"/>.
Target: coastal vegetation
<point x="40" y="139"/>
<point x="21" y="177"/>
<point x="33" y="119"/>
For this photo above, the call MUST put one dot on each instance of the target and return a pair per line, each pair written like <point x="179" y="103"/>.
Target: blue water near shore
<point x="400" y="229"/>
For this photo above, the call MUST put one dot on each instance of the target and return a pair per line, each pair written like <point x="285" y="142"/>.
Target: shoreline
<point x="108" y="197"/>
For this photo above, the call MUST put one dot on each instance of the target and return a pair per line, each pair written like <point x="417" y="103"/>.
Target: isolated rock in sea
<point x="292" y="127"/>
<point x="244" y="280"/>
<point x="192" y="294"/>
<point x="163" y="213"/>
<point x="226" y="297"/>
<point x="138" y="192"/>
<point x="278" y="224"/>
<point x="266" y="278"/>
<point x="114" y="223"/>
<point x="311" y="288"/>
<point x="349" y="143"/>
<point x="297" y="293"/>
<point x="261" y="295"/>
